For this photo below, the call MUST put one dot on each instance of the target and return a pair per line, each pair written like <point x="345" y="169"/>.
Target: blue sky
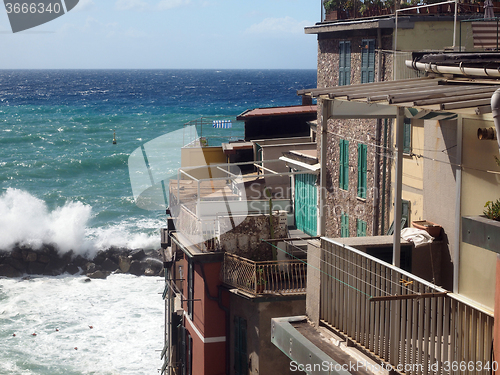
<point x="168" y="34"/>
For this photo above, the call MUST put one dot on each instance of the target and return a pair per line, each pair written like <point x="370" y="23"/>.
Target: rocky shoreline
<point x="49" y="262"/>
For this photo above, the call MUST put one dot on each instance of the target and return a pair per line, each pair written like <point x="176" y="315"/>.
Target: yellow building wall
<point x="413" y="172"/>
<point x="203" y="156"/>
<point x="477" y="266"/>
<point x="434" y="35"/>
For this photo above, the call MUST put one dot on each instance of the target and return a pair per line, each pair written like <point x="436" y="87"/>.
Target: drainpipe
<point x="376" y="166"/>
<point x="398" y="190"/>
<point x="458" y="70"/>
<point x="495" y="110"/>
<point x="458" y="207"/>
<point x="325" y="114"/>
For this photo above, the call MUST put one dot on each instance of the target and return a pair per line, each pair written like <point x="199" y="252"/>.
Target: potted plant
<point x="260" y="280"/>
<point x="334" y="9"/>
<point x="492" y="210"/>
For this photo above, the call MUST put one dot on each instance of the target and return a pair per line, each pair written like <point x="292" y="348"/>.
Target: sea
<point x="64" y="182"/>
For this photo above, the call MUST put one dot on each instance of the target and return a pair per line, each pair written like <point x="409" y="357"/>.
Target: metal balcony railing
<point x="410" y="322"/>
<point x="276" y="277"/>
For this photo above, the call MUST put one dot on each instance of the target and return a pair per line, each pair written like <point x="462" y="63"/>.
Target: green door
<point x="305" y="203"/>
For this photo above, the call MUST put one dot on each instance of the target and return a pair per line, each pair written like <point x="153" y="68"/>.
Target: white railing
<point x="410" y="322"/>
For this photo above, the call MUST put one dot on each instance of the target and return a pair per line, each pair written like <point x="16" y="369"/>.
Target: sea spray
<point x="26" y="220"/>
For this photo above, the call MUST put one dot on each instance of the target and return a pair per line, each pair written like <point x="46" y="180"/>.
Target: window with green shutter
<point x="344" y="63"/>
<point x="240" y="346"/>
<point x="362" y="170"/>
<point x="360" y="228"/>
<point x="344" y="225"/>
<point x="344" y="164"/>
<point x="407" y="136"/>
<point x="368" y="60"/>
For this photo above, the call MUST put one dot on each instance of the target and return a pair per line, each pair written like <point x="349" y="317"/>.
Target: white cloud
<point x="278" y="26"/>
<point x="131" y="5"/>
<point x="170" y="4"/>
<point x="84" y="5"/>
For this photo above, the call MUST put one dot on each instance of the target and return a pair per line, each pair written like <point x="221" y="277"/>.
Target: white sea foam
<point x="124" y="311"/>
<point x="26" y="220"/>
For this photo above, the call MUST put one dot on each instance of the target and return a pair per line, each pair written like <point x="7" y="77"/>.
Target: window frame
<point x="344" y="164"/>
<point x="367" y="61"/>
<point x="344" y="62"/>
<point x="362" y="170"/>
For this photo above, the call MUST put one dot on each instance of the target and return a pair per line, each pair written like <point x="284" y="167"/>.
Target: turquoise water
<point x="62" y="180"/>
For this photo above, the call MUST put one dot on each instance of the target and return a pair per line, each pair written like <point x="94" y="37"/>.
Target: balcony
<point x="269" y="277"/>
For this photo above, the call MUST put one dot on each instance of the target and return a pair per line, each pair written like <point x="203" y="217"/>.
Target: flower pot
<point x="433" y="229"/>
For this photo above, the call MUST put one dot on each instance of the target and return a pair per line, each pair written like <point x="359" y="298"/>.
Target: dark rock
<point x="99" y="258"/>
<point x="72" y="269"/>
<point x="98" y="274"/>
<point x="155" y="264"/>
<point x="87" y="280"/>
<point x="149" y="272"/>
<point x="17" y="254"/>
<point x="79" y="261"/>
<point x="29" y="256"/>
<point x="138" y="254"/>
<point x="109" y="265"/>
<point x="137" y="268"/>
<point x="44" y="258"/>
<point x="124" y="263"/>
<point x="89" y="267"/>
<point x="36" y="268"/>
<point x="16" y="263"/>
<point x="9" y="271"/>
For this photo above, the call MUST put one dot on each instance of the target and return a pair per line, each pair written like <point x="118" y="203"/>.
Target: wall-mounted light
<point x="486" y="133"/>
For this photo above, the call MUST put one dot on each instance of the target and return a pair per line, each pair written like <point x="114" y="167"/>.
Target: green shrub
<point x="492" y="210"/>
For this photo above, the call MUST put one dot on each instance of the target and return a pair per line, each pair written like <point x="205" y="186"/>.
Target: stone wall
<point x="356" y="131"/>
<point x="245" y="239"/>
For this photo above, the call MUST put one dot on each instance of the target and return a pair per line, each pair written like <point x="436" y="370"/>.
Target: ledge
<point x="481" y="232"/>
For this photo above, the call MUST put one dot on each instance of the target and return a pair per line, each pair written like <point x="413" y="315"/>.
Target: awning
<point x="423" y="98"/>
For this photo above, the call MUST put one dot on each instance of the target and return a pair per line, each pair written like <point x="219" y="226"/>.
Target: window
<point x="344" y="164"/>
<point x="368" y="60"/>
<point x="360" y="228"/>
<point x="240" y="346"/>
<point x="344" y="63"/>
<point x="407" y="136"/>
<point x="344" y="225"/>
<point x="362" y="170"/>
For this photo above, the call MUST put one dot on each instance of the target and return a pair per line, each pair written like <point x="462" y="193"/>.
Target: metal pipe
<point x="465" y="71"/>
<point x="325" y="114"/>
<point x="396" y="250"/>
<point x="458" y="207"/>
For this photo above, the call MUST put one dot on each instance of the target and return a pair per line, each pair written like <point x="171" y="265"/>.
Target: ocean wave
<point x="26" y="220"/>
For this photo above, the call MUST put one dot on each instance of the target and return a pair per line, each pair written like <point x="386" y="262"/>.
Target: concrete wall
<point x="477" y="266"/>
<point x="314" y="257"/>
<point x="423" y="36"/>
<point x="264" y="358"/>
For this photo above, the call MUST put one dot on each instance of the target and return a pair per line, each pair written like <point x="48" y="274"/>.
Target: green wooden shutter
<point x="368" y="61"/>
<point x="344" y="164"/>
<point x="344" y="63"/>
<point x="407" y="136"/>
<point x="362" y="170"/>
<point x="305" y="204"/>
<point x="344" y="225"/>
<point x="360" y="228"/>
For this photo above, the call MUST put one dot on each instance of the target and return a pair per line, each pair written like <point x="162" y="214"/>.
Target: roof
<point x="420" y="96"/>
<point x="278" y="111"/>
